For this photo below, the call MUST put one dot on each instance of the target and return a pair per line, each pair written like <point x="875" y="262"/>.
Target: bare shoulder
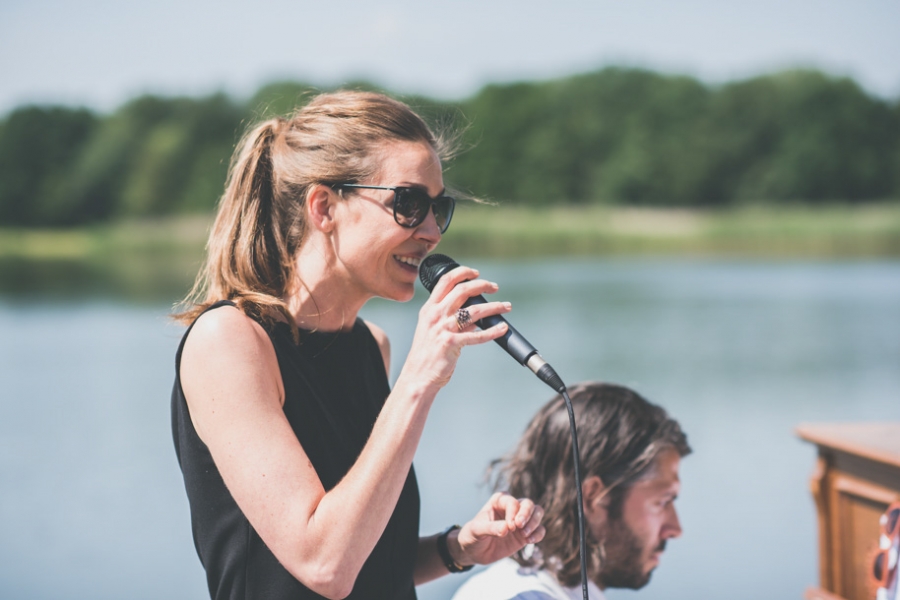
<point x="225" y="329"/>
<point x="228" y="366"/>
<point x="384" y="344"/>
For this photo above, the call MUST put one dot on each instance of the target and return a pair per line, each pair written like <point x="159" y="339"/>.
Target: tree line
<point x="615" y="136"/>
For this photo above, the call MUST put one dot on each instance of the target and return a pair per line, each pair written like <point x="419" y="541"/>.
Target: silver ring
<point x="463" y="318"/>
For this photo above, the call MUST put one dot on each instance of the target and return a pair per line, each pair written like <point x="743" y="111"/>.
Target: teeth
<point x="410" y="260"/>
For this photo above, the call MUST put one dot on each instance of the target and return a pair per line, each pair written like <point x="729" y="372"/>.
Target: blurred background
<point x="700" y="200"/>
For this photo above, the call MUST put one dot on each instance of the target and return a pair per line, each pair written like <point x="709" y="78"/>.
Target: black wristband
<point x="444" y="553"/>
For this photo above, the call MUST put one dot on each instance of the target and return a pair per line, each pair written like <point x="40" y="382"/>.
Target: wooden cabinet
<point x="856" y="476"/>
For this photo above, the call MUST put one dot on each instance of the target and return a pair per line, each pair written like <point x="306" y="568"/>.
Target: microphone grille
<point x="433" y="267"/>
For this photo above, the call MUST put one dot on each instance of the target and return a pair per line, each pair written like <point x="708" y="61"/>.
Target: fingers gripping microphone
<point x="435" y="266"/>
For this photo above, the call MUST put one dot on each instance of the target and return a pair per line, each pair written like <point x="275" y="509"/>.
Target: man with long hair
<point x="630" y="454"/>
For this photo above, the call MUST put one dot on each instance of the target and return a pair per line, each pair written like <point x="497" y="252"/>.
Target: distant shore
<point x="870" y="230"/>
<point x="838" y="231"/>
<point x="153" y="260"/>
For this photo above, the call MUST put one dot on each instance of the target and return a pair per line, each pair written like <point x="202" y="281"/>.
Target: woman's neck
<point x="320" y="299"/>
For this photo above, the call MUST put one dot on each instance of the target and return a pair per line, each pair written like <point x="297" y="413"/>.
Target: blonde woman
<point x="296" y="454"/>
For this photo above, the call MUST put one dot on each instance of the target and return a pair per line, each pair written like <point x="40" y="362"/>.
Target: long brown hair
<point x="260" y="221"/>
<point x="620" y="435"/>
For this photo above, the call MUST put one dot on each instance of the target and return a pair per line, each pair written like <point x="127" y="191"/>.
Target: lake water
<point x="92" y="504"/>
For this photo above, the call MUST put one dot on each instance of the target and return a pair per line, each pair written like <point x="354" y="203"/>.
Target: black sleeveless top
<point x="334" y="387"/>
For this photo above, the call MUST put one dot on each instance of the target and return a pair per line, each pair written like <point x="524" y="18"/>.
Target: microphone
<point x="435" y="266"/>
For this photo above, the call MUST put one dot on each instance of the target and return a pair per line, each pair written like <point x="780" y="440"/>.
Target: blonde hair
<point x="260" y="221"/>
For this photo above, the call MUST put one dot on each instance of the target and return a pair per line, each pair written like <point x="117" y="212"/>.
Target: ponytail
<point x="246" y="262"/>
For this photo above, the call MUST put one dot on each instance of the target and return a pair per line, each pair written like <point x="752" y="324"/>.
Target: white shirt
<point x="507" y="580"/>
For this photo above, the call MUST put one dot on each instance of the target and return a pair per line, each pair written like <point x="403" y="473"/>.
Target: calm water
<point x="91" y="499"/>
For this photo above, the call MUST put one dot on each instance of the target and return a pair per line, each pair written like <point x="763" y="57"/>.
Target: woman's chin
<point x="406" y="297"/>
<point x="401" y="293"/>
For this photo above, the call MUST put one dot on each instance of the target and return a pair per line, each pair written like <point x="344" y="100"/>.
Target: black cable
<point x="548" y="375"/>
<point x="432" y="269"/>
<point x="575" y="457"/>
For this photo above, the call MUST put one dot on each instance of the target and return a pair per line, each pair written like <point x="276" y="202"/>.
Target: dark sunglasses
<point x="411" y="205"/>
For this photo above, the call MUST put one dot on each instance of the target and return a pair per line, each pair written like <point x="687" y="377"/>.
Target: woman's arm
<point x="232" y="383"/>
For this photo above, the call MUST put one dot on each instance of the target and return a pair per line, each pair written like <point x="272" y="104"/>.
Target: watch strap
<point x="444" y="552"/>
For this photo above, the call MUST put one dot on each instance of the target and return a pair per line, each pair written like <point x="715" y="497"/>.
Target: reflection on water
<point x="134" y="278"/>
<point x="92" y="504"/>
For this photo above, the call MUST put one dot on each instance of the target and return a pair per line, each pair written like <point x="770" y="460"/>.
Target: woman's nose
<point x="428" y="231"/>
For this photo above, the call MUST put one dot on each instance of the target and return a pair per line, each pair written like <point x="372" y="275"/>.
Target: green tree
<point x="637" y="137"/>
<point x="38" y="146"/>
<point x="625" y="136"/>
<point x="808" y="137"/>
<point x="608" y="136"/>
<point x="156" y="156"/>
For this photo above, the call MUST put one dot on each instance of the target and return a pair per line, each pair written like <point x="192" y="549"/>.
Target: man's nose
<point x="672" y="525"/>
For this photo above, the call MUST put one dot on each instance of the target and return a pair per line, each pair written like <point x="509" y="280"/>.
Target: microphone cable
<point x="560" y="388"/>
<point x="582" y="544"/>
<point x="430" y="271"/>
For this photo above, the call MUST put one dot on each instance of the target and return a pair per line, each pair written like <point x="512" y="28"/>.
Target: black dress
<point x="334" y="387"/>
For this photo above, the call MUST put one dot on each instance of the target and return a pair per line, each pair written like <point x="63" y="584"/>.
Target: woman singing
<point x="296" y="453"/>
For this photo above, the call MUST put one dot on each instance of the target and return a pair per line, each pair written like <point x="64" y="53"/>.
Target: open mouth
<point x="410" y="261"/>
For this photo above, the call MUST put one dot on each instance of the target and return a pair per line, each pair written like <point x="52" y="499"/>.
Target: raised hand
<point x="440" y="334"/>
<point x="502" y="527"/>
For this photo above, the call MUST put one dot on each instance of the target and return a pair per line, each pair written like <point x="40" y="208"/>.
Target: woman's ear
<point x="596" y="500"/>
<point x="320" y="203"/>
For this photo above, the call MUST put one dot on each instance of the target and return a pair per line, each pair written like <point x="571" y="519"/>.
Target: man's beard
<point x="623" y="566"/>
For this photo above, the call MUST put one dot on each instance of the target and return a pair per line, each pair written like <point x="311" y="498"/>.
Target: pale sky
<point x="100" y="53"/>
